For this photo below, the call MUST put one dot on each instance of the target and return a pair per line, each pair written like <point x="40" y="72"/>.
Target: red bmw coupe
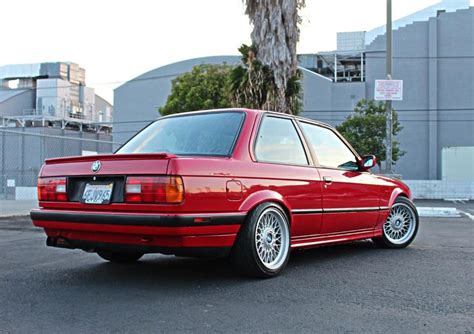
<point x="242" y="183"/>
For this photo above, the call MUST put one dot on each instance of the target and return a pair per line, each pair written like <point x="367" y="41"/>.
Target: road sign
<point x="388" y="90"/>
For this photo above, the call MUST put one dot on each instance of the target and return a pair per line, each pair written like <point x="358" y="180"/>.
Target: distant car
<point x="248" y="184"/>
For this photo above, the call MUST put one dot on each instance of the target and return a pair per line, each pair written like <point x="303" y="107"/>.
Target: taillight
<point x="154" y="189"/>
<point x="52" y="189"/>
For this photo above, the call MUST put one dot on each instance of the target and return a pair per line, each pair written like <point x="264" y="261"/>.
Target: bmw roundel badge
<point x="96" y="166"/>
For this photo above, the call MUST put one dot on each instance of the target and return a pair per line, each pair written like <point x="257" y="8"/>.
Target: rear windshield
<point x="199" y="134"/>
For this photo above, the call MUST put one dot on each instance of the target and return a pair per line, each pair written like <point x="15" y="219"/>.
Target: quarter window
<point x="279" y="142"/>
<point x="329" y="148"/>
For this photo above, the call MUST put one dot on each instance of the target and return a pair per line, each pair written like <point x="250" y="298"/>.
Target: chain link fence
<point x="23" y="151"/>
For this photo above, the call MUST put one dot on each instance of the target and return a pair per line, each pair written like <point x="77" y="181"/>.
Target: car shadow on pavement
<point x="333" y="252"/>
<point x="175" y="272"/>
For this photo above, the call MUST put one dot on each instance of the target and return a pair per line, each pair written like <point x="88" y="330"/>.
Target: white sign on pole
<point x="388" y="90"/>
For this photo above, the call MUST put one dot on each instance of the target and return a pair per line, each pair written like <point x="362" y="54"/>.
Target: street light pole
<point x="389" y="125"/>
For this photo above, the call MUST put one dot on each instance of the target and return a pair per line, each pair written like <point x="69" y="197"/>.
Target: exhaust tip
<point x="51" y="242"/>
<point x="59" y="242"/>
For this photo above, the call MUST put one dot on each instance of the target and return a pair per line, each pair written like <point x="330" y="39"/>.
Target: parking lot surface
<point x="347" y="288"/>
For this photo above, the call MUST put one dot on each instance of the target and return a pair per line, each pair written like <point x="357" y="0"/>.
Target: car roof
<point x="247" y="111"/>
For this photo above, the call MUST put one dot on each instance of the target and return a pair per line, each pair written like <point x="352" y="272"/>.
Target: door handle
<point x="327" y="179"/>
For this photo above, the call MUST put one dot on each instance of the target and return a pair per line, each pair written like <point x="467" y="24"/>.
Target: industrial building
<point x="435" y="60"/>
<point x="433" y="53"/>
<point x="46" y="110"/>
<point x="50" y="93"/>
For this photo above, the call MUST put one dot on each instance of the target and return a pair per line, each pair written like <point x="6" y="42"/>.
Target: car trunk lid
<point x="103" y="171"/>
<point x="108" y="165"/>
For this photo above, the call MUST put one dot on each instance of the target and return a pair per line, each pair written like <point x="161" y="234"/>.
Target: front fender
<point x="395" y="193"/>
<point x="401" y="190"/>
<point x="392" y="188"/>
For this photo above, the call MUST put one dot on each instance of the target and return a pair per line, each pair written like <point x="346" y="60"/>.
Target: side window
<point x="279" y="142"/>
<point x="329" y="148"/>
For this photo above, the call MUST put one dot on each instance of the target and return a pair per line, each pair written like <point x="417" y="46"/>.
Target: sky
<point x="117" y="40"/>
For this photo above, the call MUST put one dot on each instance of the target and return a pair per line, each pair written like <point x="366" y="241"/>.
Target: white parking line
<point x="471" y="217"/>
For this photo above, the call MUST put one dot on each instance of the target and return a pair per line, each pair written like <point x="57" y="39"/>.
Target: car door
<point x="350" y="196"/>
<point x="285" y="165"/>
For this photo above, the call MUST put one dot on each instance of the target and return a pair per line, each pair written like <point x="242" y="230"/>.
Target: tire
<point x="262" y="248"/>
<point x="119" y="257"/>
<point x="401" y="226"/>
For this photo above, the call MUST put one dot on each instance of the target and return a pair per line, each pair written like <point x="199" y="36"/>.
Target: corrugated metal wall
<point x="23" y="150"/>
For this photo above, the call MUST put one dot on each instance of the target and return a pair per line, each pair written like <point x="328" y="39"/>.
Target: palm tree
<point x="274" y="37"/>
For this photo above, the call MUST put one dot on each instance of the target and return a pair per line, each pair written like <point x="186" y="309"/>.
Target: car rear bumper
<point x="181" y="234"/>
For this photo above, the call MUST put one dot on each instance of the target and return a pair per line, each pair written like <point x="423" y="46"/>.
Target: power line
<point x="13" y="132"/>
<point x="368" y="56"/>
<point x="401" y="120"/>
<point x="409" y="120"/>
<point x="415" y="110"/>
<point x="127" y="122"/>
<point x="350" y="112"/>
<point x="471" y="109"/>
<point x="401" y="112"/>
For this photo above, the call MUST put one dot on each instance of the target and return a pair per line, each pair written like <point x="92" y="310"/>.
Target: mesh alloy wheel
<point x="272" y="238"/>
<point x="400" y="224"/>
<point x="262" y="248"/>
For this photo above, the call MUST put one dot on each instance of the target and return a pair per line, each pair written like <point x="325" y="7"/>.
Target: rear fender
<point x="263" y="196"/>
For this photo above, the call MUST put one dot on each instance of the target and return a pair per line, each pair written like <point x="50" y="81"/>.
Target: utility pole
<point x="389" y="125"/>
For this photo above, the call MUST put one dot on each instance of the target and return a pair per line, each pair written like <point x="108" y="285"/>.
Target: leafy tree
<point x="272" y="56"/>
<point x="366" y="128"/>
<point x="205" y="87"/>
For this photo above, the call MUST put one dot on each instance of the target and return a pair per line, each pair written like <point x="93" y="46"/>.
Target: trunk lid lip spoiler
<point x="108" y="157"/>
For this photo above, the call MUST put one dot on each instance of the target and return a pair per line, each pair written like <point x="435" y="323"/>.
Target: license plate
<point x="97" y="193"/>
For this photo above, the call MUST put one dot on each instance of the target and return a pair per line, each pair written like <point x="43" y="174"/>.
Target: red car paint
<point x="324" y="205"/>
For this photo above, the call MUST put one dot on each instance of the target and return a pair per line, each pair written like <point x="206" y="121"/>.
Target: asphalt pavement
<point x="347" y="288"/>
<point x="9" y="208"/>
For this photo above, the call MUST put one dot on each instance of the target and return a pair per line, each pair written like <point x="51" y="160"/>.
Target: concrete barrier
<point x="26" y="193"/>
<point x="439" y="189"/>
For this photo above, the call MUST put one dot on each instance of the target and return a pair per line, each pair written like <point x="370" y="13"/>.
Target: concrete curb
<point x="438" y="212"/>
<point x="17" y="215"/>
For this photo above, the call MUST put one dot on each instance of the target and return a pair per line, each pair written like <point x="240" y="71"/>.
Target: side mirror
<point x="367" y="162"/>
